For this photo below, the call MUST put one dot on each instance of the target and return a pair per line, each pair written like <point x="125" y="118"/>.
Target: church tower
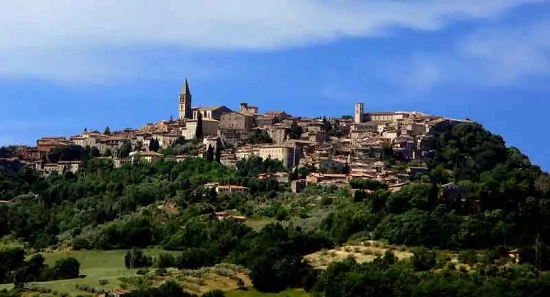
<point x="185" y="111"/>
<point x="359" y="112"/>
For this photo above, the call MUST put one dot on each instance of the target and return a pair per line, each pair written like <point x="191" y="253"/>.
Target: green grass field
<point x="109" y="266"/>
<point x="94" y="266"/>
<point x="258" y="223"/>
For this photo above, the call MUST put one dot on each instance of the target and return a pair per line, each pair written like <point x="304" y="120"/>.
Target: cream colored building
<point x="230" y="189"/>
<point x="145" y="156"/>
<point x="209" y="128"/>
<point x="391" y="135"/>
<point x="210" y="141"/>
<point x="277" y="134"/>
<point x="283" y="153"/>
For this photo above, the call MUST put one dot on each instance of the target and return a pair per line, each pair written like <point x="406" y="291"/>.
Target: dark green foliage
<point x="125" y="149"/>
<point x="14" y="268"/>
<point x="380" y="278"/>
<point x="107" y="131"/>
<point x="68" y="153"/>
<point x="367" y="184"/>
<point x="210" y="153"/>
<point x="275" y="272"/>
<point x="165" y="260"/>
<point x="499" y="198"/>
<point x="154" y="145"/>
<point x="295" y="131"/>
<point x="99" y="194"/>
<point x="214" y="293"/>
<point x="255" y="165"/>
<point x="258" y="136"/>
<point x="7" y="152"/>
<point x="67" y="268"/>
<point x="423" y="259"/>
<point x="327" y="126"/>
<point x="137" y="259"/>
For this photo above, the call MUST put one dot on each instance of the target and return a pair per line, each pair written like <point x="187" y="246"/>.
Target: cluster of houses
<point x="338" y="148"/>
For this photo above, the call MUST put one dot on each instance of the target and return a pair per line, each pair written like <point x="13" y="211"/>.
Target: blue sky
<point x="66" y="65"/>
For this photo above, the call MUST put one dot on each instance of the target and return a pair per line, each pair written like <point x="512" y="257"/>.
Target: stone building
<point x="210" y="112"/>
<point x="237" y="121"/>
<point x="278" y="134"/>
<point x="248" y="109"/>
<point x="209" y="128"/>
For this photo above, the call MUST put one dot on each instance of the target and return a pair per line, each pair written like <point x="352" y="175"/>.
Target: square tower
<point x="359" y="113"/>
<point x="185" y="111"/>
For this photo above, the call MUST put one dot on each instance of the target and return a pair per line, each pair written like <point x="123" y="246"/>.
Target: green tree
<point x="107" y="131"/>
<point x="154" y="145"/>
<point x="210" y="153"/>
<point x="327" y="126"/>
<point x="275" y="120"/>
<point x="424" y="259"/>
<point x="67" y="268"/>
<point x="94" y="152"/>
<point x="125" y="149"/>
<point x="214" y="293"/>
<point x="258" y="136"/>
<point x="296" y="130"/>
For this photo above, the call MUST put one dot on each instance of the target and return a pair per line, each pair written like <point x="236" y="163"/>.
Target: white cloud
<point x="66" y="40"/>
<point x="497" y="56"/>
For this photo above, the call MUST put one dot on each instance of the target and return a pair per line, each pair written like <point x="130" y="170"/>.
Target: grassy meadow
<point x="109" y="266"/>
<point x="94" y="266"/>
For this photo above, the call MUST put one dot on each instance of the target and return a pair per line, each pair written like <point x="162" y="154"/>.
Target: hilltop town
<point x="222" y="202"/>
<point x="338" y="149"/>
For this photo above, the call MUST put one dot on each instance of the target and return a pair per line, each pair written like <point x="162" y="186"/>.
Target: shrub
<point x="67" y="268"/>
<point x="424" y="259"/>
<point x="136" y="259"/>
<point x="81" y="243"/>
<point x="161" y="271"/>
<point x="241" y="284"/>
<point x="165" y="260"/>
<point x="367" y="252"/>
<point x="103" y="282"/>
<point x="468" y="257"/>
<point x="214" y="293"/>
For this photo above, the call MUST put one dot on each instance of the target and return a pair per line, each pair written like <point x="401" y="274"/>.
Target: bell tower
<point x="185" y="111"/>
<point x="359" y="113"/>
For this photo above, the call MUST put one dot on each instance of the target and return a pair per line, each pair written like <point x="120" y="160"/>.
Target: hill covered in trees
<point x="478" y="195"/>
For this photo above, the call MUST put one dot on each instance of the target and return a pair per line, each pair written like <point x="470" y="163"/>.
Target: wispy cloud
<point x="66" y="40"/>
<point x="495" y="56"/>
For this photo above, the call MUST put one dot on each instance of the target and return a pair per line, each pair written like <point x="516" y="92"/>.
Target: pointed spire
<point x="185" y="88"/>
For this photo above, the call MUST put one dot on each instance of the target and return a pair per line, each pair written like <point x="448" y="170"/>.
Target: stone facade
<point x="237" y="121"/>
<point x="212" y="112"/>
